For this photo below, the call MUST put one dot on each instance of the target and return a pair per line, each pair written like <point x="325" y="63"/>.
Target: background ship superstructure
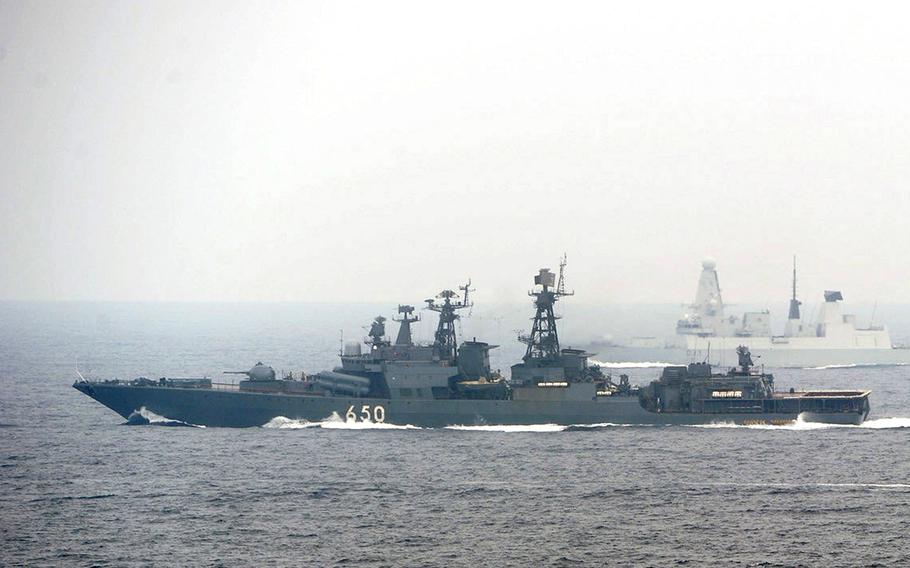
<point x="708" y="331"/>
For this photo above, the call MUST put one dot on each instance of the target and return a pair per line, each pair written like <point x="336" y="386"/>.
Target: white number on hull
<point x="375" y="414"/>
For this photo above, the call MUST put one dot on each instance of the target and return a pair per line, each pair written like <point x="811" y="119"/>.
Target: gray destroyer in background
<point x="444" y="383"/>
<point x="707" y="331"/>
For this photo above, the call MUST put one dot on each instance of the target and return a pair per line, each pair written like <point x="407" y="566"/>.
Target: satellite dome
<point x="708" y="264"/>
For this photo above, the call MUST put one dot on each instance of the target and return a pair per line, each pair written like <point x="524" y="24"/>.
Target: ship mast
<point x="445" y="341"/>
<point x="404" y="331"/>
<point x="794" y="303"/>
<point x="543" y="341"/>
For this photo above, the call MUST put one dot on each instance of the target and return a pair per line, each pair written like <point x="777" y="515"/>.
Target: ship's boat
<point x="444" y="383"/>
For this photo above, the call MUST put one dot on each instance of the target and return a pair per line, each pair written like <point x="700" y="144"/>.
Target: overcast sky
<point x="382" y="151"/>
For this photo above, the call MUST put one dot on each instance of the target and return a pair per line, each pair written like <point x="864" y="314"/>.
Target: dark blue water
<point x="79" y="488"/>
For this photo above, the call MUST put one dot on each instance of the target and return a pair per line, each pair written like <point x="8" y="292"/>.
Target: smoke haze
<point x="381" y="151"/>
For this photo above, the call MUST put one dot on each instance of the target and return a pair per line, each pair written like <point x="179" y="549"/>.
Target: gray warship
<point x="446" y="384"/>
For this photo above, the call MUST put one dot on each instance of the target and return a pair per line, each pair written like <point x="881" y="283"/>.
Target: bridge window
<point x="727" y="394"/>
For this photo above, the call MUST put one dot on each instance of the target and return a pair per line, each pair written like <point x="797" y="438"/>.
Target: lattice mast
<point x="447" y="304"/>
<point x="543" y="341"/>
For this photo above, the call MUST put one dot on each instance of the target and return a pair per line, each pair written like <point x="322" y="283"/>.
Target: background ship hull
<point x="780" y="357"/>
<point x="205" y="407"/>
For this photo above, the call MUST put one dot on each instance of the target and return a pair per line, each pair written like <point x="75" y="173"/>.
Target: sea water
<point x="78" y="487"/>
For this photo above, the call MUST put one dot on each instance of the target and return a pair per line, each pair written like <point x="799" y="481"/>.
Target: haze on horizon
<point x="364" y="151"/>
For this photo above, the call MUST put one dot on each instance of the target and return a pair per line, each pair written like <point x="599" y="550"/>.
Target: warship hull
<point x="225" y="408"/>
<point x="444" y="384"/>
<point x="707" y="333"/>
<point x="771" y="356"/>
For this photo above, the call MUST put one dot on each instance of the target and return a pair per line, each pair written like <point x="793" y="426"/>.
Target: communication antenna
<point x="467" y="290"/>
<point x="81" y="378"/>
<point x="561" y="285"/>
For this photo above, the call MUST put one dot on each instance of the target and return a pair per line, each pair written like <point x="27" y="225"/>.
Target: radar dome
<point x="708" y="264"/>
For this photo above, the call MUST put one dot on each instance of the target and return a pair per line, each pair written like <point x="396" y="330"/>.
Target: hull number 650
<point x="367" y="413"/>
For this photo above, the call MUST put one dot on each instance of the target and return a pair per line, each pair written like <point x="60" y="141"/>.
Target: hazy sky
<point x="382" y="151"/>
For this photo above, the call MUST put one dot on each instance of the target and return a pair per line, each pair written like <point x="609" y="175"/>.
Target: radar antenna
<point x="445" y="340"/>
<point x="377" y="332"/>
<point x="745" y="359"/>
<point x="543" y="341"/>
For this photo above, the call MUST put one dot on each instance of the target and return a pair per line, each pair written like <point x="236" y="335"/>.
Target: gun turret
<point x="259" y="372"/>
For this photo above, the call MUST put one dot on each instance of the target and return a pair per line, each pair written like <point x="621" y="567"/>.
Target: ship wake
<point x="631" y="364"/>
<point x="333" y="422"/>
<point x="854" y="366"/>
<point x="802" y="425"/>
<point x="541" y="427"/>
<point x="145" y="417"/>
<point x="509" y="427"/>
<point x="336" y="422"/>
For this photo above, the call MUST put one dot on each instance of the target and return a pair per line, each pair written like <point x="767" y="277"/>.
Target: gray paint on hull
<point x="206" y="407"/>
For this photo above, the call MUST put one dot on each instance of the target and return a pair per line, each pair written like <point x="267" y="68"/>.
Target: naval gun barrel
<point x="259" y="372"/>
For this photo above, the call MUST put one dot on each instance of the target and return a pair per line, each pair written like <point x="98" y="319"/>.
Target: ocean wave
<point x="509" y="428"/>
<point x="631" y="364"/>
<point x="284" y="423"/>
<point x="798" y="424"/>
<point x="866" y="485"/>
<point x="582" y="427"/>
<point x="145" y="417"/>
<point x="886" y="423"/>
<point x="854" y="366"/>
<point x="335" y="422"/>
<point x="854" y="485"/>
<point x="802" y="425"/>
<point x="332" y="422"/>
<point x="541" y="427"/>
